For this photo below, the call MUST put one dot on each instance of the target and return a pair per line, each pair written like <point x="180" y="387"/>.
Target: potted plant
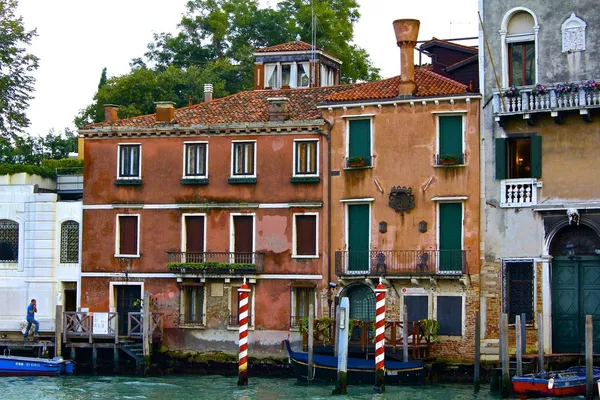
<point x="565" y="88"/>
<point x="590" y="86"/>
<point x="512" y="92"/>
<point x="356" y="162"/>
<point x="539" y="89"/>
<point x="449" y="159"/>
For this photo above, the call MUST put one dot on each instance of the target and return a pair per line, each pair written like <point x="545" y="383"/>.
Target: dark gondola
<point x="359" y="371"/>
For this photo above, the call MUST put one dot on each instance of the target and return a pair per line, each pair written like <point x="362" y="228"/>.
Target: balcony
<point x="554" y="100"/>
<point x="215" y="263"/>
<point x="400" y="263"/>
<point x="519" y="192"/>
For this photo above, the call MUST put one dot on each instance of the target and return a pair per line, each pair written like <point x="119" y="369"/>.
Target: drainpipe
<point x="327" y="137"/>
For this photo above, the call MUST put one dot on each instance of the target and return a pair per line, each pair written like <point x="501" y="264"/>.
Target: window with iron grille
<point x="302" y="298"/>
<point x="193" y="305"/>
<point x="195" y="159"/>
<point x="518" y="289"/>
<point x="69" y="242"/>
<point x="243" y="159"/>
<point x="9" y="241"/>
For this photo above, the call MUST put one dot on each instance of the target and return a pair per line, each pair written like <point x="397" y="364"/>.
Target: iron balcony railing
<point x="400" y="262"/>
<point x="216" y="262"/>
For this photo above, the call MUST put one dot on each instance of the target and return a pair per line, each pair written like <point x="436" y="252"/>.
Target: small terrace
<point x="400" y="263"/>
<point x="215" y="263"/>
<point x="555" y="99"/>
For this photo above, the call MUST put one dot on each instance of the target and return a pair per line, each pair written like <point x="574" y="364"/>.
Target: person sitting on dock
<point x="31" y="310"/>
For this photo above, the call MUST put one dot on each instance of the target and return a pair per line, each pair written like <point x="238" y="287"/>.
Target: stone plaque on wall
<point x="216" y="289"/>
<point x="573" y="34"/>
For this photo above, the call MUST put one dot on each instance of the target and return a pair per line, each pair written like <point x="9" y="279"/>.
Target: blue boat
<point x="359" y="371"/>
<point x="33" y="366"/>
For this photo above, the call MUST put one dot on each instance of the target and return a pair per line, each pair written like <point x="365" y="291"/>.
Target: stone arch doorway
<point x="575" y="286"/>
<point x="362" y="301"/>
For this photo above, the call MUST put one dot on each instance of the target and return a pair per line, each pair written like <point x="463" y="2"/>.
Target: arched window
<point x="69" y="242"/>
<point x="9" y="241"/>
<point x="519" y="47"/>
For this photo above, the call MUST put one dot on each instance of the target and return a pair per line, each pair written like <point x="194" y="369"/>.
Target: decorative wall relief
<point x="573" y="34"/>
<point x="402" y="199"/>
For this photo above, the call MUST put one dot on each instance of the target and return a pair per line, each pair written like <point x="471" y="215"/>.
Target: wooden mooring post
<point x="540" y="323"/>
<point x="523" y="333"/>
<point x="519" y="348"/>
<point x="589" y="358"/>
<point x="243" y="314"/>
<point x="477" y="351"/>
<point x="342" y="324"/>
<point x="146" y="323"/>
<point x="506" y="386"/>
<point x="58" y="317"/>
<point x="405" y="334"/>
<point x="311" y="337"/>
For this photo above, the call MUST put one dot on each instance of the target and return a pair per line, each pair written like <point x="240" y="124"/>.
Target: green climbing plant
<point x="430" y="328"/>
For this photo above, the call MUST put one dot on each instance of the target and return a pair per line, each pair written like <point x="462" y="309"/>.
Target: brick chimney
<point x="208" y="92"/>
<point x="110" y="113"/>
<point x="278" y="108"/>
<point x="407" y="31"/>
<point x="165" y="111"/>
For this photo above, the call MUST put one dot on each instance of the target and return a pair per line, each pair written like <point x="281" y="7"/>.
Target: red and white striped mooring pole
<point x="380" y="292"/>
<point x="243" y="342"/>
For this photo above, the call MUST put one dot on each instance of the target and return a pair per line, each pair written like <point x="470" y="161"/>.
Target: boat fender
<point x="550" y="383"/>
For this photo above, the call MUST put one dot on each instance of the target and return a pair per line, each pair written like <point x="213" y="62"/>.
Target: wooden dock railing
<point x="80" y="324"/>
<point x="135" y="325"/>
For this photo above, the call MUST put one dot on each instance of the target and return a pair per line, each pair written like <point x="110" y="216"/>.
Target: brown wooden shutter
<point x="128" y="234"/>
<point x="306" y="235"/>
<point x="194" y="234"/>
<point x="243" y="226"/>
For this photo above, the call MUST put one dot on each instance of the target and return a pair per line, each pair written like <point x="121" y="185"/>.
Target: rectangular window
<point x="359" y="143"/>
<point x="518" y="158"/>
<point x="450" y="228"/>
<point x="306" y="157"/>
<point x="128" y="235"/>
<point x="243" y="239"/>
<point x="194" y="234"/>
<point x="305" y="235"/>
<point x="518" y="289"/>
<point x="129" y="161"/>
<point x="235" y="305"/>
<point x="9" y="241"/>
<point x="243" y="159"/>
<point x="271" y="74"/>
<point x="303" y="75"/>
<point x="69" y="242"/>
<point x="521" y="63"/>
<point x="286" y="75"/>
<point x="196" y="159"/>
<point x="302" y="298"/>
<point x="450" y="140"/>
<point x="193" y="305"/>
<point x="417" y="307"/>
<point x="449" y="315"/>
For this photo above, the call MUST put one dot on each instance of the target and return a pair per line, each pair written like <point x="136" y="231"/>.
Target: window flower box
<point x="449" y="159"/>
<point x="356" y="162"/>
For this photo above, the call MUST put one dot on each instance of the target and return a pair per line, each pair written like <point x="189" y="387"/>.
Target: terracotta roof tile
<point x="289" y="46"/>
<point x="428" y="84"/>
<point x="243" y="107"/>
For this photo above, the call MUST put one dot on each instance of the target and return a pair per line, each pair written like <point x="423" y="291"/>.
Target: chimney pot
<point x="208" y="92"/>
<point x="110" y="113"/>
<point x="407" y="32"/>
<point x="165" y="111"/>
<point x="278" y="108"/>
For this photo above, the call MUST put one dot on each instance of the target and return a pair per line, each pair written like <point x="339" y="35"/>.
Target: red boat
<point x="567" y="383"/>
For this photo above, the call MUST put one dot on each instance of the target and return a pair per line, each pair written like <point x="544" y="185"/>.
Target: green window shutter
<point x="451" y="141"/>
<point x="536" y="156"/>
<point x="501" y="158"/>
<point x="360" y="139"/>
<point x="450" y="237"/>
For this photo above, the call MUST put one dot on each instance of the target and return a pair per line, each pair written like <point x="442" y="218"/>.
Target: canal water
<point x="174" y="387"/>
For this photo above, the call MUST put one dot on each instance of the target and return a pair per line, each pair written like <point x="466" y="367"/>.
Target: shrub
<point x="202" y="266"/>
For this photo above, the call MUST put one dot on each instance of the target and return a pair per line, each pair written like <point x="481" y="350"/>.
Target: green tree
<point x="16" y="83"/>
<point x="103" y="79"/>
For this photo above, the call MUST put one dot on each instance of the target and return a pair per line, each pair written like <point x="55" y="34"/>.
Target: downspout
<point x="327" y="137"/>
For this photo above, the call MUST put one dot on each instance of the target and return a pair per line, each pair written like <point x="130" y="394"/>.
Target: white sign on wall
<point x="100" y="324"/>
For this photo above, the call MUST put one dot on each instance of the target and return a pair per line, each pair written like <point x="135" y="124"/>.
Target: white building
<point x="40" y="242"/>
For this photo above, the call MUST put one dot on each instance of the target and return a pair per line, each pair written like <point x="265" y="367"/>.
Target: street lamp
<point x="570" y="250"/>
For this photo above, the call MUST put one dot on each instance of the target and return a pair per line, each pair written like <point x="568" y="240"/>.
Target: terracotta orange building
<point x="405" y="196"/>
<point x="187" y="203"/>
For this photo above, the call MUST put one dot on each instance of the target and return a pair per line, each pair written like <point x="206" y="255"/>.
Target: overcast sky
<point x="77" y="38"/>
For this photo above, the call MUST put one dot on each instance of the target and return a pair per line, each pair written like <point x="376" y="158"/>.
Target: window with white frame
<point x="326" y="75"/>
<point x="192" y="304"/>
<point x="129" y="161"/>
<point x="519" y="34"/>
<point x="9" y="241"/>
<point x="196" y="159"/>
<point x="127" y="235"/>
<point x="292" y="75"/>
<point x="450" y="140"/>
<point x="305" y="236"/>
<point x="306" y="156"/>
<point x="69" y="242"/>
<point x="244" y="159"/>
<point x="234" y="301"/>
<point x="302" y="296"/>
